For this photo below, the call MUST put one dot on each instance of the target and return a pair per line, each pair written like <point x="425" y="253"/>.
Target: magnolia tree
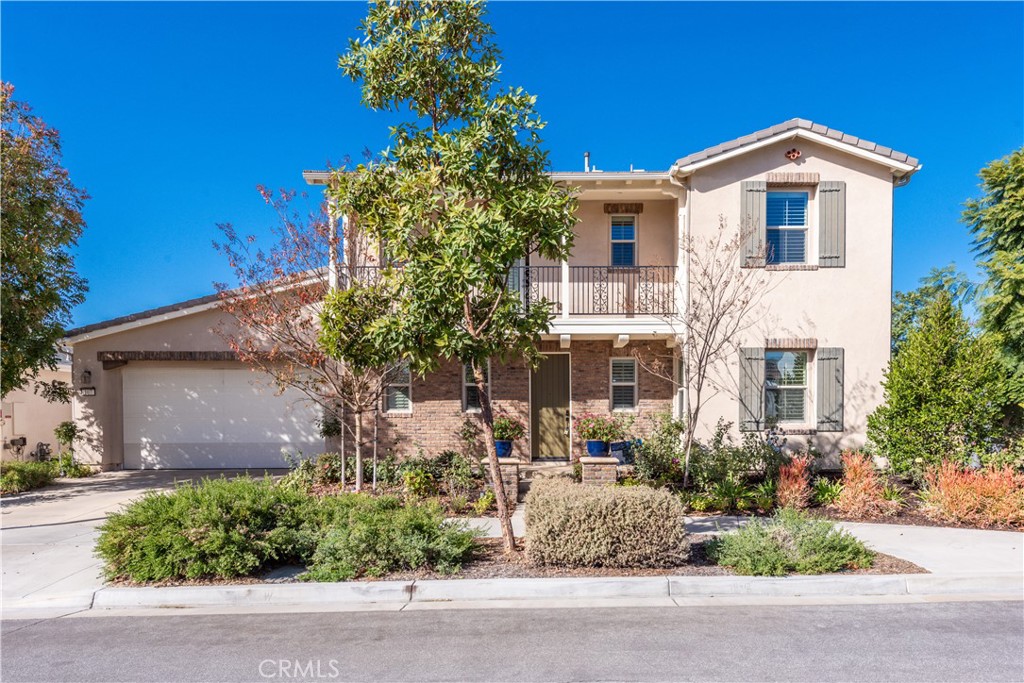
<point x="276" y="307"/>
<point x="458" y="198"/>
<point x="720" y="302"/>
<point x="42" y="221"/>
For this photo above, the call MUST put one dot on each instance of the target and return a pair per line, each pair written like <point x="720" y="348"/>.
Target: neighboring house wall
<point x="847" y="307"/>
<point x="25" y="413"/>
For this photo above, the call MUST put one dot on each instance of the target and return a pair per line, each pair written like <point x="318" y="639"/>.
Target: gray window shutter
<point x="753" y="213"/>
<point x="832" y="224"/>
<point x="830" y="389"/>
<point x="751" y="389"/>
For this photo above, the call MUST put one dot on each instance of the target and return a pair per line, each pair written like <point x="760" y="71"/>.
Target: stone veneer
<point x="437" y="415"/>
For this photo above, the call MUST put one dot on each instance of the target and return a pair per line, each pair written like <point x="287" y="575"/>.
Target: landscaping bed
<point x="489" y="561"/>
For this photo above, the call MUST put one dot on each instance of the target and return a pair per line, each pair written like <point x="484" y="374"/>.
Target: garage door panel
<point x="216" y="418"/>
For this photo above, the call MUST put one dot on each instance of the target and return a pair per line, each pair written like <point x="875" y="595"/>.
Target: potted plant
<point x="598" y="432"/>
<point x="507" y="430"/>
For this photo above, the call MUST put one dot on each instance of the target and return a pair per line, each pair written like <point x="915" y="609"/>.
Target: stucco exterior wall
<point x="844" y="307"/>
<point x="25" y="413"/>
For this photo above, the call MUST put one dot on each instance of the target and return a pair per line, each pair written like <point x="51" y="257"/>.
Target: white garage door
<point x="212" y="418"/>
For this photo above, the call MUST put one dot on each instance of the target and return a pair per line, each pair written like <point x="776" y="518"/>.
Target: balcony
<point x="589" y="291"/>
<point x="599" y="290"/>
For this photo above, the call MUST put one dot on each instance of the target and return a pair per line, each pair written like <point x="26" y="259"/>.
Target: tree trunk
<point x="492" y="459"/>
<point x="344" y="427"/>
<point x="359" y="451"/>
<point x="691" y="427"/>
<point x="376" y="421"/>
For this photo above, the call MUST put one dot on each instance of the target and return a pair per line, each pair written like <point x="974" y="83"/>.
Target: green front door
<point x="549" y="408"/>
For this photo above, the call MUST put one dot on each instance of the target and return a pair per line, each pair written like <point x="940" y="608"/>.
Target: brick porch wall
<point x="437" y="414"/>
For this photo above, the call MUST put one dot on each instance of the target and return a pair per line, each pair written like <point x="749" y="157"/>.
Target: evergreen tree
<point x="942" y="393"/>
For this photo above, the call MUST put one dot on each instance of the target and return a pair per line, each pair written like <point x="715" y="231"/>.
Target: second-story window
<point x="624" y="241"/>
<point x="787" y="227"/>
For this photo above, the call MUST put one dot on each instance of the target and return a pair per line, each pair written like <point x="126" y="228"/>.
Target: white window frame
<point x="806" y="227"/>
<point x="635" y="241"/>
<point x="406" y="386"/>
<point x="612" y="384"/>
<point x="465" y="383"/>
<point x="806" y="386"/>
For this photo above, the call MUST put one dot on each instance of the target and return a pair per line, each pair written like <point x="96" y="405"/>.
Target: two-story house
<point x="159" y="389"/>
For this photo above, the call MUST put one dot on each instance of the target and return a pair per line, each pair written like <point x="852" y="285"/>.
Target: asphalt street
<point x="952" y="641"/>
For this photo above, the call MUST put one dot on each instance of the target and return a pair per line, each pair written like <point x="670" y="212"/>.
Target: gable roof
<point x="902" y="164"/>
<point x="153" y="315"/>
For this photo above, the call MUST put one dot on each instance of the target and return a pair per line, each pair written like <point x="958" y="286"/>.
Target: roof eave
<point x="901" y="169"/>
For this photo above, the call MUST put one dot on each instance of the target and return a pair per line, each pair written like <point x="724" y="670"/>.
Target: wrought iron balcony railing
<point x="592" y="290"/>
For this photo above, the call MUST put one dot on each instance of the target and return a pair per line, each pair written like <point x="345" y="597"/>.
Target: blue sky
<point x="171" y="113"/>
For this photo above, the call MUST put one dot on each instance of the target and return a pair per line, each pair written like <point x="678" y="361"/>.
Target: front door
<point x="549" y="408"/>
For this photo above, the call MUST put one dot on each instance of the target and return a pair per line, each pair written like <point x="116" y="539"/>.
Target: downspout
<point x="684" y="235"/>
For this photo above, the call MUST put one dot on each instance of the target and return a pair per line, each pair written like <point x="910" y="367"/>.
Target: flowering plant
<point x="508" y="429"/>
<point x="592" y="427"/>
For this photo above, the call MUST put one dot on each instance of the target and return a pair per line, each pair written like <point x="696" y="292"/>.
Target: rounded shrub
<point x="217" y="528"/>
<point x="574" y="525"/>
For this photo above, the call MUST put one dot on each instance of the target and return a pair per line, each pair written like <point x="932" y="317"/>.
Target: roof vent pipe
<point x="586" y="162"/>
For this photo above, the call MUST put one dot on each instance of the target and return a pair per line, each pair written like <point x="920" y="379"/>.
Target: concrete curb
<point x="463" y="590"/>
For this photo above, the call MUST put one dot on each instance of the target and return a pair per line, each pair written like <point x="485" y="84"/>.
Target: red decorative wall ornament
<point x="793" y="154"/>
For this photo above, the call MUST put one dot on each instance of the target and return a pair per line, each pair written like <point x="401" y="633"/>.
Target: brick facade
<point x="437" y="416"/>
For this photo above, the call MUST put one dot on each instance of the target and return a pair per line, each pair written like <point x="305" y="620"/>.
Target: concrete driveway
<point x="48" y="535"/>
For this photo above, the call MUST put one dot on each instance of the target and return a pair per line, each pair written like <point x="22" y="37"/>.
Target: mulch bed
<point x="911" y="514"/>
<point x="491" y="562"/>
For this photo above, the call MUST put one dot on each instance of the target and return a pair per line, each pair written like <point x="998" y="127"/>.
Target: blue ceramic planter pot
<point x="597" y="449"/>
<point x="504" y="448"/>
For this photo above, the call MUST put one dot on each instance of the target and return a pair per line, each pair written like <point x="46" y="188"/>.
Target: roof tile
<point x="793" y="124"/>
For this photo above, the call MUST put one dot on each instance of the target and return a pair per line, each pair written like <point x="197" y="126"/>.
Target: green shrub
<point x="385" y="536"/>
<point x="729" y="495"/>
<point x="484" y="503"/>
<point x="658" y="458"/>
<point x="789" y="542"/>
<point x="572" y="525"/>
<point x="826" y="491"/>
<point x="701" y="503"/>
<point x="722" y="459"/>
<point x="216" y="528"/>
<point x="67" y="467"/>
<point x="764" y="495"/>
<point x="17" y="476"/>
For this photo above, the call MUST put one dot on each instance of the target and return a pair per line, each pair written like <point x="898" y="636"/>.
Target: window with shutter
<point x="751" y="396"/>
<point x="470" y="392"/>
<point x="623" y="241"/>
<point x="752" y="222"/>
<point x="830" y="389"/>
<point x="785" y="386"/>
<point x="786" y="229"/>
<point x="623" y="383"/>
<point x="832" y="224"/>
